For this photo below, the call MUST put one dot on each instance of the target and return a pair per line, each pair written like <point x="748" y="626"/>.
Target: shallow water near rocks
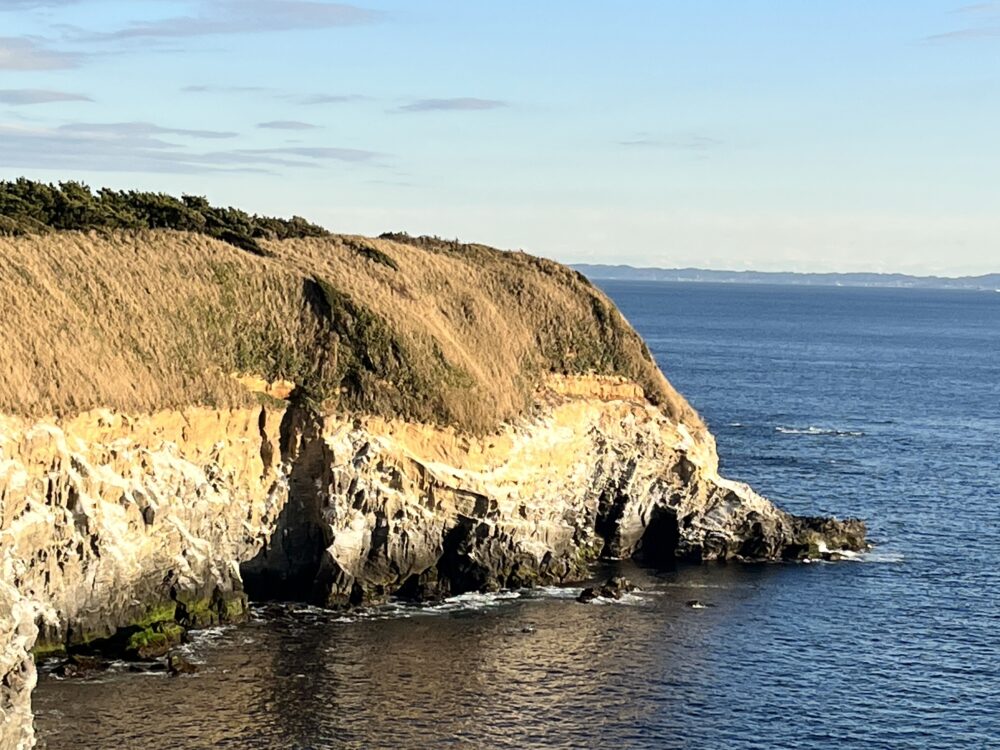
<point x="879" y="403"/>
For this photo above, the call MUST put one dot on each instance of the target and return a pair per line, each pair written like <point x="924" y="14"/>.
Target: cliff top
<point x="140" y="302"/>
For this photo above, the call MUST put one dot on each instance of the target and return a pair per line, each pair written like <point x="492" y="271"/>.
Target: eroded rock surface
<point x="17" y="668"/>
<point x="125" y="528"/>
<point x="408" y="509"/>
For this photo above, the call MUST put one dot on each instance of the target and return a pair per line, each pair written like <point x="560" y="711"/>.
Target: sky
<point x="829" y="135"/>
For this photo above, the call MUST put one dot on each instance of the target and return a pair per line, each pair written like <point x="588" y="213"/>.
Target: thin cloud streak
<point x="12" y="5"/>
<point x="218" y="17"/>
<point x="686" y="142"/>
<point x="27" y="53"/>
<point x="979" y="8"/>
<point x="23" y="97"/>
<point x="987" y="15"/>
<point x="304" y="99"/>
<point x="458" y="104"/>
<point x="136" y="150"/>
<point x="129" y="129"/>
<point x="286" y="125"/>
<point x="311" y="99"/>
<point x="319" y="153"/>
<point x="213" y="89"/>
<point x="964" y="34"/>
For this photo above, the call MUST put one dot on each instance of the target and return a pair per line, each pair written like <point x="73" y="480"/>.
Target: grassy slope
<point x="423" y="329"/>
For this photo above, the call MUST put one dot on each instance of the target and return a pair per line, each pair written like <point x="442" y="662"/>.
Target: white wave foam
<point x="208" y="635"/>
<point x="121" y="666"/>
<point x="473" y="601"/>
<point x="554" y="592"/>
<point x="631" y="598"/>
<point x="881" y="556"/>
<point x="813" y="430"/>
<point x="847" y="554"/>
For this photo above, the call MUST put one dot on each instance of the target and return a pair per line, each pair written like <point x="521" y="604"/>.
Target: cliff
<point x="338" y="419"/>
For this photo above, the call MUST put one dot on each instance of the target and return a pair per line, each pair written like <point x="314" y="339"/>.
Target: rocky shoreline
<point x="119" y="533"/>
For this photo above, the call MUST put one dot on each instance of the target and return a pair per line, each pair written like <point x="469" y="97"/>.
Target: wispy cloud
<point x="978" y="8"/>
<point x="21" y="97"/>
<point x="140" y="129"/>
<point x="28" y="53"/>
<point x="459" y="104"/>
<point x="985" y="20"/>
<point x="144" y="148"/>
<point x="306" y="99"/>
<point x="314" y="152"/>
<point x="964" y="34"/>
<point x="215" y="17"/>
<point x="10" y="5"/>
<point x="214" y="89"/>
<point x="326" y="98"/>
<point x="286" y="125"/>
<point x="678" y="142"/>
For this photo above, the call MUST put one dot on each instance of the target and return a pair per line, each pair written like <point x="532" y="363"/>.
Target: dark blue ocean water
<point x="883" y="404"/>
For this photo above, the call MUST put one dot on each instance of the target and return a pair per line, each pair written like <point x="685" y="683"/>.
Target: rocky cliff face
<point x="17" y="668"/>
<point x="123" y="531"/>
<point x="414" y="438"/>
<point x="390" y="507"/>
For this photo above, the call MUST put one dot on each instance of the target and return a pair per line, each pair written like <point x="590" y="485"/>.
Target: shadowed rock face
<point x="390" y="508"/>
<point x="17" y="669"/>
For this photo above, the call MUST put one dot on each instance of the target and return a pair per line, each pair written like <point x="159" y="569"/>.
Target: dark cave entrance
<point x="658" y="546"/>
<point x="288" y="566"/>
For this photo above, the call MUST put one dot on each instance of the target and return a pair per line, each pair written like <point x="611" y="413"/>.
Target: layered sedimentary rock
<point x="397" y="508"/>
<point x="110" y="521"/>
<point x="117" y="525"/>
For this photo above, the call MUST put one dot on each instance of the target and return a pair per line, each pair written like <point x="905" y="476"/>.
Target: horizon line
<point x="678" y="269"/>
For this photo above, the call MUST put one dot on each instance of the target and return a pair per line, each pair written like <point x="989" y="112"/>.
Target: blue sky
<point x="777" y="135"/>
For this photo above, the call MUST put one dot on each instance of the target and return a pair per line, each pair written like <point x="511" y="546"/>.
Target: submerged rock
<point x="178" y="665"/>
<point x="614" y="588"/>
<point x="697" y="604"/>
<point x="153" y="641"/>
<point x="80" y="665"/>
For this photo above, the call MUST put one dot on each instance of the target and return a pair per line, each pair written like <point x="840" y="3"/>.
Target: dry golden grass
<point x="452" y="334"/>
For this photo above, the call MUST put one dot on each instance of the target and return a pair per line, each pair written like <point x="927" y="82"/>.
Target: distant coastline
<point x="986" y="282"/>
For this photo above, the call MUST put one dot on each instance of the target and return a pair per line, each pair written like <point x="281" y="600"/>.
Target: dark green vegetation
<point x="28" y="207"/>
<point x="150" y="633"/>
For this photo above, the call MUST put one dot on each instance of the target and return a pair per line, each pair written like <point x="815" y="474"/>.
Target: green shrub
<point x="28" y="207"/>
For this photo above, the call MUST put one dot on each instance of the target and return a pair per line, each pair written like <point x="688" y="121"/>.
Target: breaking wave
<point x="812" y="430"/>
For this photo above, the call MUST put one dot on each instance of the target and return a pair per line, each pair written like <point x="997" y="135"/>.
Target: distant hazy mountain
<point x="987" y="282"/>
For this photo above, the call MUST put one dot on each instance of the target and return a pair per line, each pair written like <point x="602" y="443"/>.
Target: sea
<point x="878" y="403"/>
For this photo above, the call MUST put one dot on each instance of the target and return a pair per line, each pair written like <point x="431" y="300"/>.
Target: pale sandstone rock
<point x="17" y="668"/>
<point x="109" y="520"/>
